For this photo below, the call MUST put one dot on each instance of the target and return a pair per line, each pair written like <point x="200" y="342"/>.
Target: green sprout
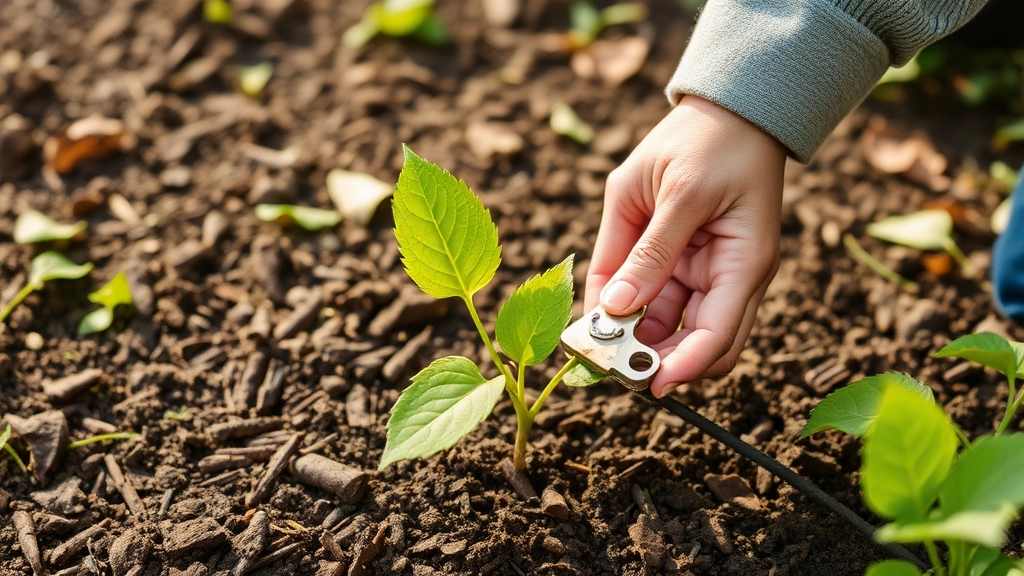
<point x="102" y="438"/>
<point x="565" y="122"/>
<point x="920" y="472"/>
<point x="924" y="230"/>
<point x="252" y="80"/>
<point x="449" y="245"/>
<point x="587" y="22"/>
<point x="33" y="227"/>
<point x="45" y="267"/>
<point x="10" y="450"/>
<point x="306" y="217"/>
<point x="398" y="19"/>
<point x="111" y="295"/>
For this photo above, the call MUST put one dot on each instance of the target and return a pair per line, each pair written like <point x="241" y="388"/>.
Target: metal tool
<point x="607" y="344"/>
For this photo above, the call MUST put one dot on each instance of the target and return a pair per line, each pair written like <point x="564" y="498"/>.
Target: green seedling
<point x="10" y="450"/>
<point x="587" y="22"/>
<point x="565" y="122"/>
<point x="398" y="19"/>
<point x="1004" y="174"/>
<point x="33" y="227"/>
<point x="252" y="80"/>
<point x="117" y="436"/>
<point x="45" y="267"/>
<point x="305" y="217"/>
<point x="854" y="249"/>
<point x="111" y="295"/>
<point x="449" y="246"/>
<point x="924" y="230"/>
<point x="179" y="415"/>
<point x="1013" y="132"/>
<point x="217" y="12"/>
<point x="922" y="474"/>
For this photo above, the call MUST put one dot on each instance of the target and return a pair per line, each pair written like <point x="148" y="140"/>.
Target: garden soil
<point x="253" y="344"/>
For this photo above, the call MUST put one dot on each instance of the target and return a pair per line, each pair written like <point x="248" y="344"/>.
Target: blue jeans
<point x="1008" y="260"/>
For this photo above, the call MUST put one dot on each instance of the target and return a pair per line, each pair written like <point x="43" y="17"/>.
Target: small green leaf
<point x="55" y="266"/>
<point x="585" y="22"/>
<point x="400" y="17"/>
<point x="113" y="293"/>
<point x="985" y="348"/>
<point x="309" y="218"/>
<point x="448" y="242"/>
<point x="893" y="568"/>
<point x="579" y="376"/>
<point x="986" y="528"/>
<point x="625" y="13"/>
<point x="356" y="195"/>
<point x="96" y="321"/>
<point x="529" y="324"/>
<point x="565" y="122"/>
<point x="986" y="477"/>
<point x="907" y="454"/>
<point x="925" y="230"/>
<point x="217" y="12"/>
<point x="445" y="401"/>
<point x="253" y="79"/>
<point x="1018" y="349"/>
<point x="853" y="409"/>
<point x="33" y="227"/>
<point x="5" y="436"/>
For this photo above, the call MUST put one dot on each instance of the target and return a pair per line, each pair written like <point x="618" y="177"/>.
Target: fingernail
<point x="619" y="295"/>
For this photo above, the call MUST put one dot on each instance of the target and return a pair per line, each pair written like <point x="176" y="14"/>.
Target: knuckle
<point x="651" y="254"/>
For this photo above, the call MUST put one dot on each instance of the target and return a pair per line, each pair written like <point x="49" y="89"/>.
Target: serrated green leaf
<point x="985" y="348"/>
<point x="986" y="477"/>
<point x="987" y="528"/>
<point x="33" y="227"/>
<point x="893" y="568"/>
<point x="579" y="376"/>
<point x="448" y="242"/>
<point x="925" y="230"/>
<point x="907" y="454"/>
<point x="306" y="217"/>
<point x="853" y="409"/>
<point x="52" y="265"/>
<point x="96" y="321"/>
<point x="530" y="323"/>
<point x="445" y="401"/>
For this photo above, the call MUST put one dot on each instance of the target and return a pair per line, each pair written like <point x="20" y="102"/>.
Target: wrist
<point x="734" y="126"/>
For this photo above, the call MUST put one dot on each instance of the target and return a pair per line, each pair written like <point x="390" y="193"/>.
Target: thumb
<point x="650" y="263"/>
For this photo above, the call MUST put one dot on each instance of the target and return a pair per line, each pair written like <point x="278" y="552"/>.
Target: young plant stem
<point x="862" y="256"/>
<point x="21" y="295"/>
<point x="510" y="380"/>
<point x="17" y="459"/>
<point x="524" y="423"/>
<point x="960" y="257"/>
<point x="102" y="438"/>
<point x="1013" y="402"/>
<point x="521" y="382"/>
<point x="539" y="403"/>
<point x="964" y="440"/>
<point x="933" y="557"/>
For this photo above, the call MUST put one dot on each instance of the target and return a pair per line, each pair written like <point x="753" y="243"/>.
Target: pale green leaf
<point x="987" y="528"/>
<point x="565" y="122"/>
<point x="400" y="17"/>
<point x="252" y="80"/>
<point x="530" y="323"/>
<point x="585" y="22"/>
<point x="625" y="13"/>
<point x="893" y="568"/>
<point x="925" y="230"/>
<point x="907" y="454"/>
<point x="55" y="266"/>
<point x="306" y="217"/>
<point x="1013" y="132"/>
<point x="356" y="195"/>
<point x="445" y="401"/>
<point x="579" y="376"/>
<point x="113" y="293"/>
<point x="989" y="562"/>
<point x="5" y="436"/>
<point x="985" y="348"/>
<point x="986" y="477"/>
<point x="1018" y="349"/>
<point x="448" y="242"/>
<point x="96" y="321"/>
<point x="33" y="227"/>
<point x="853" y="409"/>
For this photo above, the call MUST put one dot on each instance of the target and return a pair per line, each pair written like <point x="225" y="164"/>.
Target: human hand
<point x="691" y="222"/>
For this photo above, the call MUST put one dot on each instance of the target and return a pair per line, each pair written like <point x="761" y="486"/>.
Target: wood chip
<point x="124" y="486"/>
<point x="356" y="407"/>
<point x="250" y="543"/>
<point x="269" y="394"/>
<point x="553" y="504"/>
<point x="218" y="433"/>
<point x="302" y="317"/>
<point x="733" y="489"/>
<point x="369" y="551"/>
<point x="277" y="465"/>
<point x="520" y="483"/>
<point x="72" y="546"/>
<point x="344" y="481"/>
<point x="248" y="385"/>
<point x="406" y="356"/>
<point x="26" y="528"/>
<point x="68" y="387"/>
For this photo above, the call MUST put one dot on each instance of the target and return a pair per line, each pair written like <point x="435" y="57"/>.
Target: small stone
<point x="553" y="545"/>
<point x="733" y="489"/>
<point x="34" y="341"/>
<point x="65" y="498"/>
<point x="924" y="314"/>
<point x="647" y="539"/>
<point x="176" y="177"/>
<point x="215" y="224"/>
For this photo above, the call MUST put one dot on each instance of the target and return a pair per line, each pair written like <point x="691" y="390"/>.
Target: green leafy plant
<point x="305" y="217"/>
<point x="398" y="18"/>
<point x="587" y="22"/>
<point x="449" y="246"/>
<point x="920" y="472"/>
<point x="4" y="437"/>
<point x="33" y="227"/>
<point x="924" y="230"/>
<point x="111" y="295"/>
<point x="45" y="267"/>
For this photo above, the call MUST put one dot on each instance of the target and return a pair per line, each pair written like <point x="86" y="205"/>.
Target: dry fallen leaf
<point x="89" y="138"/>
<point x="913" y="156"/>
<point x="611" y="61"/>
<point x="489" y="140"/>
<point x="356" y="195"/>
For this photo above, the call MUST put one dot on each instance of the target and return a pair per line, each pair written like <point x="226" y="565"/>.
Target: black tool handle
<point x="778" y="469"/>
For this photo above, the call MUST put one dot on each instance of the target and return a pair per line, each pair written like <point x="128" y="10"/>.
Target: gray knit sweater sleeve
<point x="796" y="67"/>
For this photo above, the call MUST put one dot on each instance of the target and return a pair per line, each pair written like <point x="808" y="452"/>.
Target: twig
<point x="277" y="465"/>
<point x="131" y="497"/>
<point x="344" y="481"/>
<point x="26" y="528"/>
<point x="72" y="546"/>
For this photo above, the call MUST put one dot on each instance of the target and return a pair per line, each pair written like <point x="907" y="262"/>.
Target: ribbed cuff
<point x="794" y="68"/>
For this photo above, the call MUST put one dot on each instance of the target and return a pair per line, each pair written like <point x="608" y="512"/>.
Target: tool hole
<point x="641" y="361"/>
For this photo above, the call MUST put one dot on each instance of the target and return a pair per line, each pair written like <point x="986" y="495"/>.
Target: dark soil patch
<point x="294" y="329"/>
